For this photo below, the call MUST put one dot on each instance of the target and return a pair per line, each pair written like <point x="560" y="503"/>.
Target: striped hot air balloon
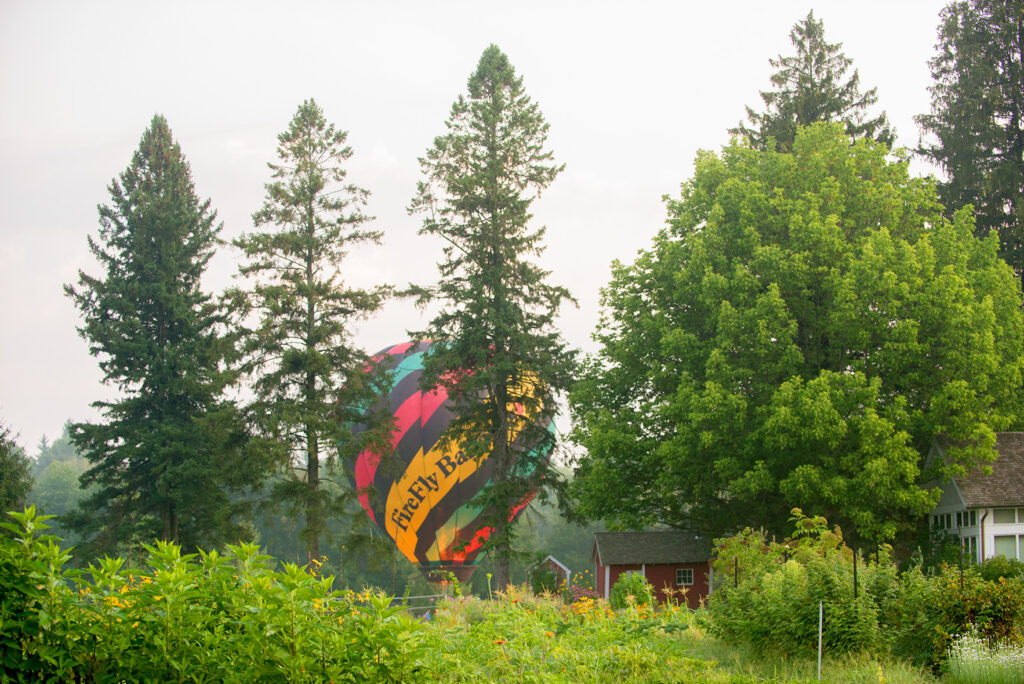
<point x="419" y="494"/>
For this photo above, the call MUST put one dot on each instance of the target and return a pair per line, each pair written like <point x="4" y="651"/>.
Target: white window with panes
<point x="684" y="575"/>
<point x="953" y="521"/>
<point x="1008" y="541"/>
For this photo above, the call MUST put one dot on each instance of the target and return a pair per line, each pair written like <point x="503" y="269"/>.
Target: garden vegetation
<point x="234" y="617"/>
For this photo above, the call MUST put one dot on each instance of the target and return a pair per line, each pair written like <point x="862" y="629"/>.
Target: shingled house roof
<point x="652" y="548"/>
<point x="1005" y="486"/>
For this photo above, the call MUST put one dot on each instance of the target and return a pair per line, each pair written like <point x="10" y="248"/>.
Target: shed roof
<point x="652" y="548"/>
<point x="1005" y="486"/>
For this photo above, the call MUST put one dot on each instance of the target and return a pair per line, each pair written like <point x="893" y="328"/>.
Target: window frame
<point x="681" y="574"/>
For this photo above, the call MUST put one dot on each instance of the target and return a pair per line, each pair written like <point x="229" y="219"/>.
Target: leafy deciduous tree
<point x="308" y="375"/>
<point x="796" y="338"/>
<point x="166" y="450"/>
<point x="811" y="86"/>
<point x="500" y="357"/>
<point x="977" y="117"/>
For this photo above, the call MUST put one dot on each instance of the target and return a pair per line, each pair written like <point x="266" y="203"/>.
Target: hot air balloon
<point x="419" y="494"/>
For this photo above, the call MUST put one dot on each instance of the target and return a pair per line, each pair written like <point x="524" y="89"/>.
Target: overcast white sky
<point x="631" y="90"/>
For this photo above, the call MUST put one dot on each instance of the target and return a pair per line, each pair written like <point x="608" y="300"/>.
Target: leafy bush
<point x="1001" y="566"/>
<point x="543" y="579"/>
<point x="933" y="610"/>
<point x="214" y="617"/>
<point x="772" y="601"/>
<point x="26" y="605"/>
<point x="231" y="618"/>
<point x="775" y="603"/>
<point x="631" y="589"/>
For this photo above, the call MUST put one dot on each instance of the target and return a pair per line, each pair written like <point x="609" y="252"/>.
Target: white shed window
<point x="684" y="575"/>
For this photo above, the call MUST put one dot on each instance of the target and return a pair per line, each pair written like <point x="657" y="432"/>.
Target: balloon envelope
<point x="419" y="495"/>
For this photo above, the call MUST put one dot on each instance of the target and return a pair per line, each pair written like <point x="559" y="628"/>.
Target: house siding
<point x="658" y="576"/>
<point x="662" y="576"/>
<point x="616" y="571"/>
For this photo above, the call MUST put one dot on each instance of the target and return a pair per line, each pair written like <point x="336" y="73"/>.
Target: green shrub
<point x="31" y="594"/>
<point x="543" y="579"/>
<point x="933" y="610"/>
<point x="915" y="616"/>
<point x="227" y="618"/>
<point x="630" y="589"/>
<point x="1001" y="566"/>
<point x="775" y="603"/>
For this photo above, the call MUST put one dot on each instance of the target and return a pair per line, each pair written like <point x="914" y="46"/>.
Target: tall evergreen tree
<point x="812" y="86"/>
<point x="308" y="374"/>
<point x="977" y="117"/>
<point x="163" y="454"/>
<point x="498" y="347"/>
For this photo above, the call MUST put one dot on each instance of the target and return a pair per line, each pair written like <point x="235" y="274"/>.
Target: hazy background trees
<point x="57" y="468"/>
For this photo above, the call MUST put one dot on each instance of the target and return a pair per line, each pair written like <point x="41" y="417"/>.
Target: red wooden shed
<point x="675" y="560"/>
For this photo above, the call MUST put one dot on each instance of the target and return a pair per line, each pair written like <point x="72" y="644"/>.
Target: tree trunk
<point x="170" y="523"/>
<point x="313" y="503"/>
<point x="313" y="513"/>
<point x="502" y="455"/>
<point x="502" y="575"/>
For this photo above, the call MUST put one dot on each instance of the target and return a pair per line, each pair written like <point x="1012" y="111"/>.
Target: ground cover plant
<point x="975" y="660"/>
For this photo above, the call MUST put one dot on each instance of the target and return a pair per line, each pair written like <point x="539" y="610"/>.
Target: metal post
<point x="855" y="573"/>
<point x="960" y="548"/>
<point x="821" y="615"/>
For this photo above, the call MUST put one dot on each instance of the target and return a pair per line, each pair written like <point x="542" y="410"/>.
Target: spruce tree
<point x="164" y="452"/>
<point x="977" y="117"/>
<point x="308" y="377"/>
<point x="812" y="86"/>
<point x="499" y="354"/>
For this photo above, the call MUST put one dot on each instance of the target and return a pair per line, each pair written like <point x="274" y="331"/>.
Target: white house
<point x="986" y="511"/>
